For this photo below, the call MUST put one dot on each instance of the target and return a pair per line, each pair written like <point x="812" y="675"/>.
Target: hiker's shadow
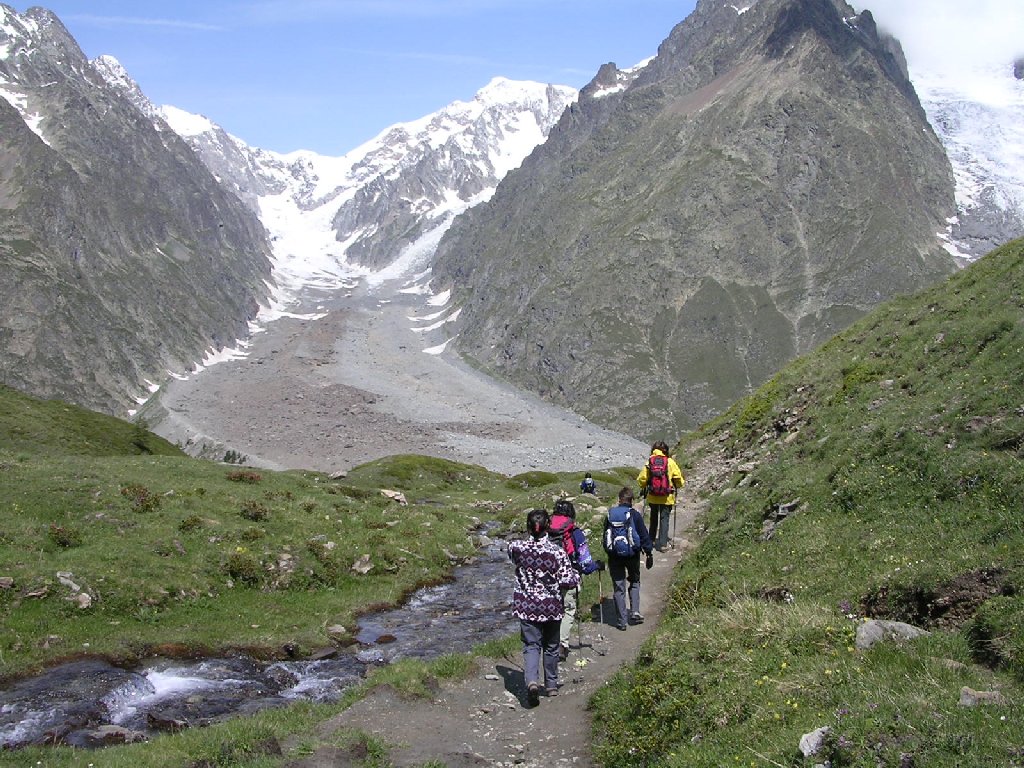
<point x="602" y="613"/>
<point x="515" y="681"/>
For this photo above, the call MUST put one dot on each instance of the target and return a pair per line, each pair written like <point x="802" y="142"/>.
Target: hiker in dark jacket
<point x="625" y="569"/>
<point x="563" y="531"/>
<point x="588" y="484"/>
<point x="543" y="572"/>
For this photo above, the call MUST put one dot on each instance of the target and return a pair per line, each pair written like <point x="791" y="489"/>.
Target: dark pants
<point x="623" y="569"/>
<point x="660" y="516"/>
<point x="538" y="637"/>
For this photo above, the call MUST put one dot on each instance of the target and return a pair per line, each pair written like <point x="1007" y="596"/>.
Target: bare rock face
<point x="121" y="255"/>
<point x="763" y="182"/>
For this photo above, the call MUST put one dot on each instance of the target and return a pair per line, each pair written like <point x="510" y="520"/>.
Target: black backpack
<point x="658" y="482"/>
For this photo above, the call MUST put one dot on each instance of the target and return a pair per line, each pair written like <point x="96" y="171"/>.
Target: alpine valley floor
<point x="356" y="385"/>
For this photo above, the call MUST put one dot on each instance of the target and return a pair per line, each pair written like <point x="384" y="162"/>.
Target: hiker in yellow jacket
<point x="660" y="480"/>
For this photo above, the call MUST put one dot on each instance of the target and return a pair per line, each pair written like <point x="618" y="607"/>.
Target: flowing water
<point x="76" y="703"/>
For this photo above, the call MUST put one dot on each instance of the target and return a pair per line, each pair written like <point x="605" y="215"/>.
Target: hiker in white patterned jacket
<point x="543" y="572"/>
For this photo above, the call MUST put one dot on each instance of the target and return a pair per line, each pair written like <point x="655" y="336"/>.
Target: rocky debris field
<point x="356" y="385"/>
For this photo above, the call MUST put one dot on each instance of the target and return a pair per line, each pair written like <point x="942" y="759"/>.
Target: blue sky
<point x="327" y="75"/>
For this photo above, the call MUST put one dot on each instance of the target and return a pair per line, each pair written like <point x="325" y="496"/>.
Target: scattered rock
<point x="66" y="578"/>
<point x="875" y="630"/>
<point x="323" y="653"/>
<point x="6" y="582"/>
<point x="362" y="565"/>
<point x="164" y="723"/>
<point x="107" y="735"/>
<point x="811" y="743"/>
<point x="972" y="698"/>
<point x="394" y="496"/>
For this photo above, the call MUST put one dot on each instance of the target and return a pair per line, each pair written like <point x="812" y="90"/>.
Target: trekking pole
<point x="600" y="598"/>
<point x="579" y="628"/>
<point x="673" y="524"/>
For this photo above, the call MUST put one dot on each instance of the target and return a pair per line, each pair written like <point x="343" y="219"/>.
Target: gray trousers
<point x="540" y="637"/>
<point x="623" y="569"/>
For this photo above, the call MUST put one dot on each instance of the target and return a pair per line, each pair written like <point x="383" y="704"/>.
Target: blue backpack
<point x="620" y="536"/>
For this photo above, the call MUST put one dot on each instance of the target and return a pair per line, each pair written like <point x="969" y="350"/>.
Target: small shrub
<point x="244" y="567"/>
<point x="252" y="534"/>
<point x="244" y="476"/>
<point x="141" y="498"/>
<point x="255" y="511"/>
<point x="234" y="457"/>
<point x="191" y="523"/>
<point x="64" y="536"/>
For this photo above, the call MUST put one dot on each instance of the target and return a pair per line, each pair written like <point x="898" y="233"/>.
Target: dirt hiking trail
<point x="485" y="720"/>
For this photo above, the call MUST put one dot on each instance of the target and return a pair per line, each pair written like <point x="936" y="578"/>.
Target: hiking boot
<point x="636" y="618"/>
<point x="551" y="692"/>
<point x="621" y="625"/>
<point x="563" y="652"/>
<point x="533" y="694"/>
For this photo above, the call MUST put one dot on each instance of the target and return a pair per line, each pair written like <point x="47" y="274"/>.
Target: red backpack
<point x="658" y="482"/>
<point x="560" y="532"/>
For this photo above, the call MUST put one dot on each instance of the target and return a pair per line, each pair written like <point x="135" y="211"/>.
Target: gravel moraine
<point x="355" y="385"/>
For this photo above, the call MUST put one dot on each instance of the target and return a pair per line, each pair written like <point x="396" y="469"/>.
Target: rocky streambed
<point x="92" y="703"/>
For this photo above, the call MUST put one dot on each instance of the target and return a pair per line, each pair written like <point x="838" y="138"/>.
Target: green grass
<point x="898" y="445"/>
<point x="179" y="556"/>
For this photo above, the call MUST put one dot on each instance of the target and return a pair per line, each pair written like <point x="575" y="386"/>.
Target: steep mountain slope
<point x="761" y="183"/>
<point x="122" y="256"/>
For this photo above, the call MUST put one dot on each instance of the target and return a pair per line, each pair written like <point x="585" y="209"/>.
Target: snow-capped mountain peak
<point x="380" y="209"/>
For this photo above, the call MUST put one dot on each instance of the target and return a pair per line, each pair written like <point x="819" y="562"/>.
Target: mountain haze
<point x="765" y="180"/>
<point x="122" y="256"/>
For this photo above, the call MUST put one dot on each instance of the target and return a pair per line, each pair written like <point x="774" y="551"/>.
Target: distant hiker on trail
<point x="543" y="572"/>
<point x="588" y="485"/>
<point x="563" y="531"/>
<point x="625" y="537"/>
<point x="659" y="481"/>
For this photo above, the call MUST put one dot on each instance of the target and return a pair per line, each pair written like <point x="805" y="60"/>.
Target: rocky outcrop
<point x="122" y="256"/>
<point x="765" y="180"/>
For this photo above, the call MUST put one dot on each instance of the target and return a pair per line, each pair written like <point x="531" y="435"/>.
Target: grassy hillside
<point x="879" y="477"/>
<point x="51" y="427"/>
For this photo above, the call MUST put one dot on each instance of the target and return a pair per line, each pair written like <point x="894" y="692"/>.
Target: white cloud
<point x="943" y="35"/>
<point x="139" y="21"/>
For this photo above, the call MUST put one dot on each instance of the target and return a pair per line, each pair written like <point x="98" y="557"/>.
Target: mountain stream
<point x="90" y="703"/>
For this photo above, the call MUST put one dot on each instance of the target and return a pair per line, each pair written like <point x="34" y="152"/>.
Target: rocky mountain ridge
<point x="123" y="258"/>
<point x="766" y="179"/>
